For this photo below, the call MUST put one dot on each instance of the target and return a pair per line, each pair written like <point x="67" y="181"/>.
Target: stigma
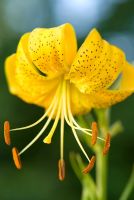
<point x="59" y="110"/>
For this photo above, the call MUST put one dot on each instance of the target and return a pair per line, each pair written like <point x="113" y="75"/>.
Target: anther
<point x="61" y="167"/>
<point x="7" y="133"/>
<point x="16" y="158"/>
<point x="94" y="133"/>
<point x="107" y="144"/>
<point x="90" y="165"/>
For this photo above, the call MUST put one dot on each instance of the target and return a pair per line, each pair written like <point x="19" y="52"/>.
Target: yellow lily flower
<point x="47" y="70"/>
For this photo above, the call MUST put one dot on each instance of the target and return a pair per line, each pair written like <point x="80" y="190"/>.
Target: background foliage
<point x="38" y="178"/>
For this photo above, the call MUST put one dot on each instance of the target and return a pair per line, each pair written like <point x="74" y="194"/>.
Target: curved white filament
<point x="77" y="127"/>
<point x="43" y="129"/>
<point x="42" y="118"/>
<point x="73" y="129"/>
<point x="62" y="134"/>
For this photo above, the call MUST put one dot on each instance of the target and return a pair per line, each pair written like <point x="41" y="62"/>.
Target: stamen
<point x="107" y="144"/>
<point x="90" y="165"/>
<point x="16" y="158"/>
<point x="7" y="132"/>
<point x="61" y="163"/>
<point x="77" y="125"/>
<point x="94" y="133"/>
<point x="61" y="167"/>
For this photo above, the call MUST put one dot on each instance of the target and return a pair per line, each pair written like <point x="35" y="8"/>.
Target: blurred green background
<point x="38" y="178"/>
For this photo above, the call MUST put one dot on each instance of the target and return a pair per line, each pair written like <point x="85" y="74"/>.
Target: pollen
<point x="16" y="158"/>
<point x="90" y="165"/>
<point x="107" y="144"/>
<point x="7" y="133"/>
<point x="61" y="167"/>
<point x="94" y="133"/>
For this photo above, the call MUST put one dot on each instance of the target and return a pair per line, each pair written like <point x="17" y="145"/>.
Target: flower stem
<point x="101" y="174"/>
<point x="101" y="160"/>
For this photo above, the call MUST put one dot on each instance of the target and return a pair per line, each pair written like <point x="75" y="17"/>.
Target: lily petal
<point x="79" y="102"/>
<point x="10" y="71"/>
<point x="105" y="98"/>
<point x="96" y="65"/>
<point x="52" y="50"/>
<point x="23" y="79"/>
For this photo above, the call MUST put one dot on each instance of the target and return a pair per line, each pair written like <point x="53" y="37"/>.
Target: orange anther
<point x="7" y="132"/>
<point x="90" y="165"/>
<point x="107" y="144"/>
<point x="61" y="167"/>
<point x="94" y="133"/>
<point x="16" y="158"/>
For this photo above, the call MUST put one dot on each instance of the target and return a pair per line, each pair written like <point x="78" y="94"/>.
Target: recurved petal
<point x="10" y="73"/>
<point x="23" y="79"/>
<point x="106" y="98"/>
<point x="127" y="77"/>
<point x="96" y="65"/>
<point x="52" y="50"/>
<point x="10" y="70"/>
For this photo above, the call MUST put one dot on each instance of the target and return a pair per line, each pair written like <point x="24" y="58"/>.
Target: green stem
<point x="101" y="174"/>
<point x="101" y="161"/>
<point x="100" y="189"/>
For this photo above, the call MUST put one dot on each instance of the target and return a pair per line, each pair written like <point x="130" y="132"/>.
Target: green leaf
<point x="129" y="187"/>
<point x="116" y="128"/>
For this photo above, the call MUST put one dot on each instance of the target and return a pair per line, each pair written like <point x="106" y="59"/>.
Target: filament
<point x="62" y="134"/>
<point x="77" y="127"/>
<point x="42" y="118"/>
<point x="42" y="130"/>
<point x="73" y="129"/>
<point x="82" y="129"/>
